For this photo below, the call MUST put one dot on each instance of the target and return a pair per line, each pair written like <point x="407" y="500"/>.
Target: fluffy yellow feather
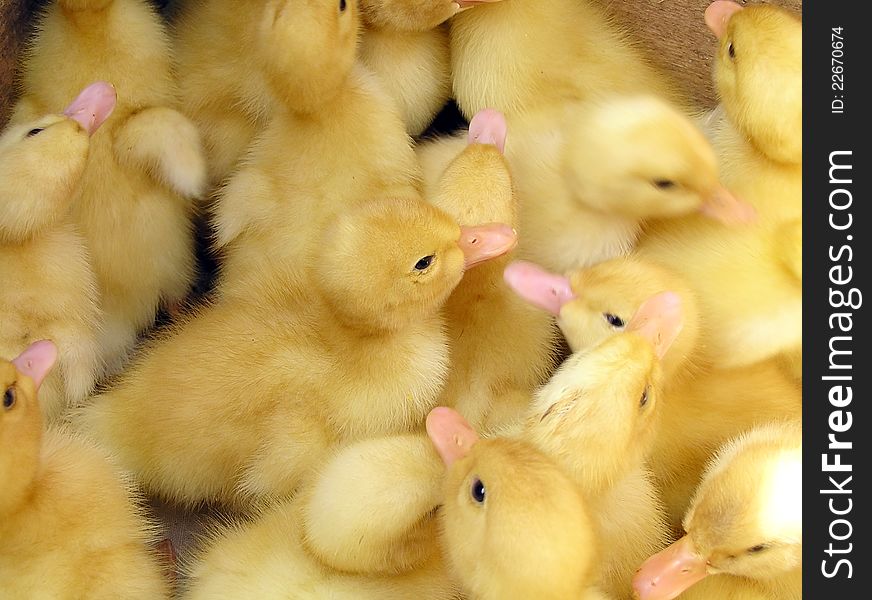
<point x="69" y="525"/>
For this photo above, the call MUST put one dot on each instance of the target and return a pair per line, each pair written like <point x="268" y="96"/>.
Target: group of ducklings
<point x="371" y="386"/>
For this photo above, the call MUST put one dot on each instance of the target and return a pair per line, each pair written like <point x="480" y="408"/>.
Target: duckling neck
<point x="785" y="587"/>
<point x="19" y="473"/>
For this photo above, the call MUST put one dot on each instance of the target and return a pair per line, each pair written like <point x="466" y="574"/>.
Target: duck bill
<point x="37" y="361"/>
<point x="537" y="286"/>
<point x="718" y="14"/>
<point x="669" y="572"/>
<point x="485" y="242"/>
<point x="92" y="106"/>
<point x="722" y="205"/>
<point x="659" y="320"/>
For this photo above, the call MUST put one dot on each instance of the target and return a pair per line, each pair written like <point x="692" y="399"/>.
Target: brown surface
<point x="672" y="31"/>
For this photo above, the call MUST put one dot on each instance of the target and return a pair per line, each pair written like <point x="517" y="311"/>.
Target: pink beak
<point x="669" y="572"/>
<point x="484" y="242"/>
<point x="537" y="286"/>
<point x="92" y="106"/>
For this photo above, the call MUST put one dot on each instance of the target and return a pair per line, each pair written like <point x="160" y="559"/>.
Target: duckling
<point x="501" y="348"/>
<point x="513" y="524"/>
<point x="266" y="558"/>
<point x="134" y="202"/>
<point x="597" y="302"/>
<point x="744" y="525"/>
<point x="597" y="419"/>
<point x="589" y="177"/>
<point x="69" y="525"/>
<point x="589" y="174"/>
<point x="50" y="290"/>
<point x="232" y="100"/>
<point x="404" y="44"/>
<point x="520" y="55"/>
<point x="245" y="398"/>
<point x="758" y="77"/>
<point x="701" y="414"/>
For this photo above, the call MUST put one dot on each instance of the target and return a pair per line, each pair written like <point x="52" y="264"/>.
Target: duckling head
<point x="476" y="186"/>
<point x="598" y="413"/>
<point x="758" y="74"/>
<point x="745" y="518"/>
<point x="41" y="162"/>
<point x="21" y="420"/>
<point x="597" y="302"/>
<point x="392" y="262"/>
<point x="307" y="48"/>
<point x="513" y="523"/>
<point x="641" y="158"/>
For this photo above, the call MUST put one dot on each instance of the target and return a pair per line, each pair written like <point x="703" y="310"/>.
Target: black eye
<point x="33" y="132"/>
<point x="757" y="548"/>
<point x="664" y="184"/>
<point x="614" y="320"/>
<point x="424" y="263"/>
<point x="731" y="50"/>
<point x="644" y="399"/>
<point x="341" y="5"/>
<point x="477" y="491"/>
<point x="9" y="398"/>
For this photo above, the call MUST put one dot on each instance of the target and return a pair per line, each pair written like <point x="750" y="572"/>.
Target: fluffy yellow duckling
<point x="514" y="526"/>
<point x="267" y="559"/>
<point x="597" y="302"/>
<point x="231" y="100"/>
<point x="597" y="418"/>
<point x="405" y="46"/>
<point x="69" y="527"/>
<point x="700" y="414"/>
<point x="589" y="174"/>
<point x="244" y="398"/>
<point x="49" y="288"/>
<point x="744" y="526"/>
<point x="518" y="55"/>
<point x="133" y="205"/>
<point x="758" y="75"/>
<point x="501" y="348"/>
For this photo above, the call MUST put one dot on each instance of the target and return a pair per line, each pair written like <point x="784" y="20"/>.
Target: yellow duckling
<point x="69" y="527"/>
<point x="597" y="418"/>
<point x="744" y="525"/>
<point x="519" y="55"/>
<point x="134" y="202"/>
<point x="501" y="348"/>
<point x="758" y="76"/>
<point x="49" y="288"/>
<point x="597" y="302"/>
<point x="589" y="174"/>
<point x="246" y="397"/>
<point x="514" y="526"/>
<point x="266" y="558"/>
<point x="232" y="100"/>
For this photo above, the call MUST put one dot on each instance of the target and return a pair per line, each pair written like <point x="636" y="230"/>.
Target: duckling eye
<point x="342" y="5"/>
<point x="664" y="184"/>
<point x="424" y="263"/>
<point x="731" y="50"/>
<point x="9" y="398"/>
<point x="757" y="548"/>
<point x="35" y="131"/>
<point x="477" y="491"/>
<point x="644" y="399"/>
<point x="614" y="320"/>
